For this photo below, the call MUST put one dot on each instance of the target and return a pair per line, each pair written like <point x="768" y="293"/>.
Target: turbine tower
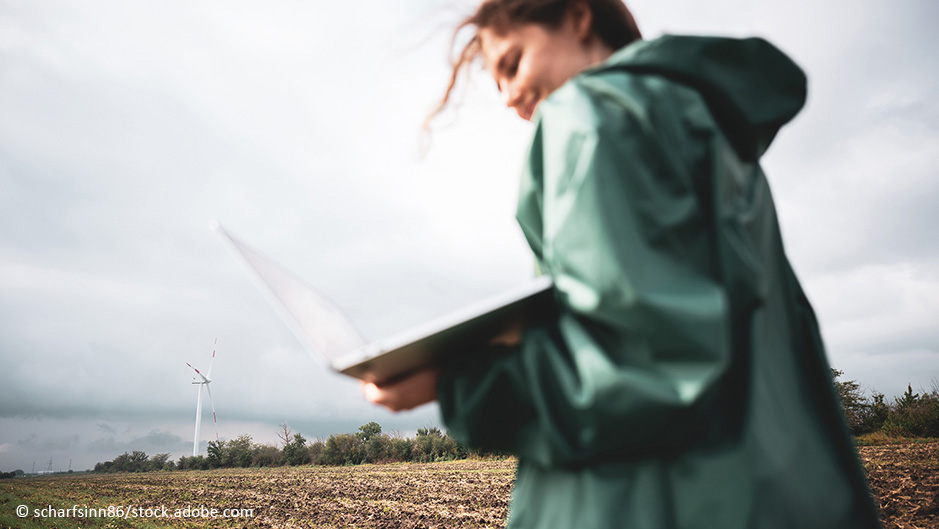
<point x="203" y="382"/>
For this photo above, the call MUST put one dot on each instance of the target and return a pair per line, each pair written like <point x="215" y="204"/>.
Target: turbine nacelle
<point x="205" y="378"/>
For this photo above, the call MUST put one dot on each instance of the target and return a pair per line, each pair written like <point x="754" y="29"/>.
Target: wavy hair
<point x="611" y="22"/>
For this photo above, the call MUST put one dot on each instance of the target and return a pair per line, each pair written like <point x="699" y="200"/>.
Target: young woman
<point x="683" y="382"/>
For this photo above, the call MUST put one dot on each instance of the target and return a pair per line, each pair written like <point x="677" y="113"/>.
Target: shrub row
<point x="368" y="445"/>
<point x="910" y="415"/>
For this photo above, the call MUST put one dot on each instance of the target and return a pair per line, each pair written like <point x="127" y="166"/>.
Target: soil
<point x="904" y="480"/>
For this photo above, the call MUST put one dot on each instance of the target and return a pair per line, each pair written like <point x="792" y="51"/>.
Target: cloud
<point x="106" y="428"/>
<point x="127" y="126"/>
<point x="155" y="441"/>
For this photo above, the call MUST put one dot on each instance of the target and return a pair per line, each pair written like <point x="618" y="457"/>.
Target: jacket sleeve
<point x="633" y="361"/>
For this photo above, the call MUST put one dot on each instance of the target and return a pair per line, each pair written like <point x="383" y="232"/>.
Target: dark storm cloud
<point x="106" y="428"/>
<point x="50" y="444"/>
<point x="127" y="126"/>
<point x="155" y="441"/>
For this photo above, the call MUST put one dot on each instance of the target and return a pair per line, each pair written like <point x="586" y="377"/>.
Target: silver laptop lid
<point x="316" y="321"/>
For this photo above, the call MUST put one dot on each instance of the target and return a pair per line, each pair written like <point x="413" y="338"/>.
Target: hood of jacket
<point x="750" y="86"/>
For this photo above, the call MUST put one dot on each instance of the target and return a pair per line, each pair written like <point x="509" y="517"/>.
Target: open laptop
<point x="332" y="339"/>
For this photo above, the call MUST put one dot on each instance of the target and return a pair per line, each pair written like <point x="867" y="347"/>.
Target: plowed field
<point x="904" y="479"/>
<point x="457" y="494"/>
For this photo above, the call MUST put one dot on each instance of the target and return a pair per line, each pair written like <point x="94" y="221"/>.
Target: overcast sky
<point x="126" y="126"/>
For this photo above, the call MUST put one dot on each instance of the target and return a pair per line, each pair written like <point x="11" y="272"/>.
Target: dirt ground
<point x="452" y="494"/>
<point x="904" y="480"/>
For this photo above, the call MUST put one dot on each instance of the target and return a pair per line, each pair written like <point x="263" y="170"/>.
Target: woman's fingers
<point x="410" y="392"/>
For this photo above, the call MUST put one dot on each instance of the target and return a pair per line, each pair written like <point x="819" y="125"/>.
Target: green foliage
<point x="343" y="449"/>
<point x="429" y="432"/>
<point x="376" y="449"/>
<point x="315" y="450"/>
<point x="136" y="461"/>
<point x="367" y="445"/>
<point x="871" y="419"/>
<point x="295" y="452"/>
<point x="215" y="453"/>
<point x="433" y="445"/>
<point x="915" y="415"/>
<point x="265" y="456"/>
<point x="239" y="452"/>
<point x="910" y="415"/>
<point x="864" y="415"/>
<point x="192" y="463"/>
<point x="399" y="449"/>
<point x="159" y="462"/>
<point x="368" y="431"/>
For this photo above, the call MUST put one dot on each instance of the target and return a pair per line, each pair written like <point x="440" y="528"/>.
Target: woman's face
<point x="529" y="61"/>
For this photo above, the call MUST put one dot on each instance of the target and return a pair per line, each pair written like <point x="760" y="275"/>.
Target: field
<point x="453" y="494"/>
<point x="904" y="478"/>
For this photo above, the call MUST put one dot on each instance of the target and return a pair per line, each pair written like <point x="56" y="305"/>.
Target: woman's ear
<point x="580" y="17"/>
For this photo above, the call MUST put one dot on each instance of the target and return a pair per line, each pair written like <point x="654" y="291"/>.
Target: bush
<point x="295" y="452"/>
<point x="159" y="462"/>
<point x="239" y="452"/>
<point x="433" y="445"/>
<point x="316" y="451"/>
<point x="915" y="415"/>
<point x="863" y="415"/>
<point x="192" y="463"/>
<point x="377" y="448"/>
<point x="343" y="449"/>
<point x="399" y="449"/>
<point x="265" y="456"/>
<point x="911" y="415"/>
<point x="367" y="445"/>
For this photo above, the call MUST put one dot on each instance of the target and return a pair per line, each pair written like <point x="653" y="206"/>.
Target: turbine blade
<point x="212" y="361"/>
<point x="212" y="402"/>
<point x="204" y="379"/>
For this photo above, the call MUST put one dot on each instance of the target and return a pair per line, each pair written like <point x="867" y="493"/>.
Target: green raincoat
<point x="683" y="383"/>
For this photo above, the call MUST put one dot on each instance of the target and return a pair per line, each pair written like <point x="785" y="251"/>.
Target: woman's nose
<point x="510" y="94"/>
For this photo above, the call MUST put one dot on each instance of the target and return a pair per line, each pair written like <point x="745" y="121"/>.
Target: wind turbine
<point x="203" y="383"/>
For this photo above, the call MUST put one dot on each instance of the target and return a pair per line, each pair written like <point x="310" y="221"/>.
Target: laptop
<point x="333" y="340"/>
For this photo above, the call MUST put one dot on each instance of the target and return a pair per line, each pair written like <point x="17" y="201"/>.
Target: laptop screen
<point x="314" y="318"/>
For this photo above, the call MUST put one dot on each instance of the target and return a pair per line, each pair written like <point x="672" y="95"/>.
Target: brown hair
<point x="611" y="22"/>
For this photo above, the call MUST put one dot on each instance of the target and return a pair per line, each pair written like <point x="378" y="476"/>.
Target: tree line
<point x="909" y="415"/>
<point x="367" y="445"/>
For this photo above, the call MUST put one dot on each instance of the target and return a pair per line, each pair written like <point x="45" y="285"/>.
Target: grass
<point x="881" y="439"/>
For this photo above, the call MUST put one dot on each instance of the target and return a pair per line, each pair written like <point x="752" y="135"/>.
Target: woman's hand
<point x="420" y="387"/>
<point x="417" y="388"/>
<point x="510" y="336"/>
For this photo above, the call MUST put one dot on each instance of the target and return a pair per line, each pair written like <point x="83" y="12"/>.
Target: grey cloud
<point x="121" y="138"/>
<point x="106" y="428"/>
<point x="154" y="442"/>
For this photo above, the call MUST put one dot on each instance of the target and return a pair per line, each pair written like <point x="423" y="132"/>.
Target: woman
<point x="683" y="383"/>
